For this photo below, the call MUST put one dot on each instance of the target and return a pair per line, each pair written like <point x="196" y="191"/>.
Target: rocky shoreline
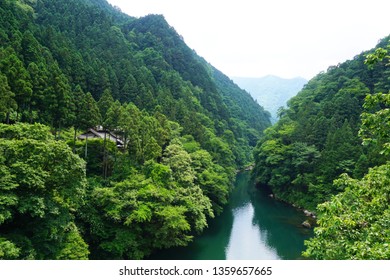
<point x="310" y="222"/>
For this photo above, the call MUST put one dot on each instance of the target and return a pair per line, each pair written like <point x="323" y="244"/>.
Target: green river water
<point x="253" y="226"/>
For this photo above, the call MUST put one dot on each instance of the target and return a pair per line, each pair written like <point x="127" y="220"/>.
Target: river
<point x="253" y="226"/>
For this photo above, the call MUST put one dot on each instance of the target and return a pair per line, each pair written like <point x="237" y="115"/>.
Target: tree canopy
<point x="354" y="224"/>
<point x="69" y="66"/>
<point x="329" y="153"/>
<point x="317" y="137"/>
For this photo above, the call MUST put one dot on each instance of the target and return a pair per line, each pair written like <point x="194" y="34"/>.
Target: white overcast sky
<point x="287" y="38"/>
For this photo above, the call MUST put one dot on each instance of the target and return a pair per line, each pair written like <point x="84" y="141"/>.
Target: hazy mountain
<point x="271" y="92"/>
<point x="69" y="65"/>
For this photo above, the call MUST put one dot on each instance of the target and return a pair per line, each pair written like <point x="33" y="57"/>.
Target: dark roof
<point x="101" y="134"/>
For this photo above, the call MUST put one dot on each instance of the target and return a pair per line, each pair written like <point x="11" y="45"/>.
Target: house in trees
<point x="101" y="133"/>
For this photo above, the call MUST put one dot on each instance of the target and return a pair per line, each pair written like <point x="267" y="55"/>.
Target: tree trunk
<point x="104" y="155"/>
<point x="74" y="140"/>
<point x="86" y="147"/>
<point x="7" y="118"/>
<point x="106" y="161"/>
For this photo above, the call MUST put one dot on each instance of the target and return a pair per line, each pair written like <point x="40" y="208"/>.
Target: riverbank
<point x="252" y="226"/>
<point x="311" y="220"/>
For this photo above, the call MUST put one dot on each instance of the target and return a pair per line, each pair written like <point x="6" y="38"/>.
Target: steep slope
<point x="354" y="224"/>
<point x="271" y="92"/>
<point x="317" y="139"/>
<point x="67" y="66"/>
<point x="143" y="61"/>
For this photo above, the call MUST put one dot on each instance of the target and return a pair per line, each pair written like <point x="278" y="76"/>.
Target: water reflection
<point x="247" y="242"/>
<point x="282" y="224"/>
<point x="252" y="226"/>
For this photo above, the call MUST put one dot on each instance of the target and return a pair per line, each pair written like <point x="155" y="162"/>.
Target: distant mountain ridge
<point x="70" y="65"/>
<point x="270" y="91"/>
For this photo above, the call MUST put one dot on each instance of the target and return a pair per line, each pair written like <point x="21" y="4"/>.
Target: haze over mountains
<point x="270" y="91"/>
<point x="67" y="66"/>
<point x="329" y="153"/>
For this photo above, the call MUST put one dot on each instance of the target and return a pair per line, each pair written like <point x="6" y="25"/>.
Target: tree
<point x="355" y="223"/>
<point x="132" y="218"/>
<point x="376" y="123"/>
<point x="42" y="185"/>
<point x="18" y="79"/>
<point x="59" y="100"/>
<point x="325" y="116"/>
<point x="129" y="90"/>
<point x="211" y="178"/>
<point x="113" y="116"/>
<point x="73" y="247"/>
<point x="180" y="163"/>
<point x="8" y="250"/>
<point x="341" y="152"/>
<point x="111" y="123"/>
<point x="30" y="48"/>
<point x="39" y="80"/>
<point x="104" y="103"/>
<point x="160" y="192"/>
<point x="7" y="102"/>
<point x="87" y="114"/>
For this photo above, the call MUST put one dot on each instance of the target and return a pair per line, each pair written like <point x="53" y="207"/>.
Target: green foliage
<point x="374" y="58"/>
<point x="8" y="250"/>
<point x="87" y="113"/>
<point x="42" y="185"/>
<point x="73" y="247"/>
<point x="211" y="178"/>
<point x="317" y="137"/>
<point x="180" y="163"/>
<point x="144" y="62"/>
<point x="154" y="205"/>
<point x="105" y="103"/>
<point x="67" y="66"/>
<point x="7" y="103"/>
<point x="26" y="131"/>
<point x="376" y="123"/>
<point x="137" y="215"/>
<point x="95" y="159"/>
<point x="17" y="76"/>
<point x="355" y="224"/>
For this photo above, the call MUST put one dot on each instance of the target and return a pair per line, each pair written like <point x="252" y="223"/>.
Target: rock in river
<point x="306" y="224"/>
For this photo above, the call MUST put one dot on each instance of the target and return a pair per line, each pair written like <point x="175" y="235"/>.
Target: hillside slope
<point x="143" y="61"/>
<point x="183" y="130"/>
<point x="317" y="138"/>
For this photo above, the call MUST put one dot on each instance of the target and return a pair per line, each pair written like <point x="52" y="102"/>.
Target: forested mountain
<point x="66" y="66"/>
<point x="272" y="92"/>
<point x="337" y="125"/>
<point x="317" y="138"/>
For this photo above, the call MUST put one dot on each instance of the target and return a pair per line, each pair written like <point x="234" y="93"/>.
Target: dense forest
<point x="330" y="148"/>
<point x="182" y="130"/>
<point x="185" y="128"/>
